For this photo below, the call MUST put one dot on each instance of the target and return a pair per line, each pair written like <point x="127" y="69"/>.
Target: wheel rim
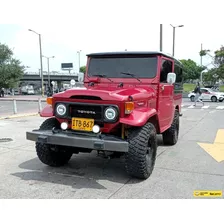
<point x="214" y="99"/>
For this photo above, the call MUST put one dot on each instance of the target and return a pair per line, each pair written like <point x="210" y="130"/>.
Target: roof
<point x="133" y="53"/>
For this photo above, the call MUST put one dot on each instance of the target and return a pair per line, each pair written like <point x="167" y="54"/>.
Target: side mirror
<point x="171" y="78"/>
<point x="80" y="77"/>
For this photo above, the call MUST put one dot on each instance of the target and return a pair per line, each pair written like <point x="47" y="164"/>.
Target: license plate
<point x="82" y="124"/>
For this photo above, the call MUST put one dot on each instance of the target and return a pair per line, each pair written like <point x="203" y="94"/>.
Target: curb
<point x="19" y="116"/>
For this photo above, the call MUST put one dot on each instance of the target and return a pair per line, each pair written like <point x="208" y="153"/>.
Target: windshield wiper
<point x="102" y="76"/>
<point x="132" y="75"/>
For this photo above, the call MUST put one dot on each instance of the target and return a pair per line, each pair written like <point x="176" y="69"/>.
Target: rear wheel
<point x="221" y="101"/>
<point x="192" y="98"/>
<point x="141" y="157"/>
<point x="214" y="99"/>
<point x="52" y="155"/>
<point x="170" y="137"/>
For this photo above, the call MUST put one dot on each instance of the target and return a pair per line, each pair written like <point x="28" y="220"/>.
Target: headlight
<point x="111" y="114"/>
<point x="61" y="109"/>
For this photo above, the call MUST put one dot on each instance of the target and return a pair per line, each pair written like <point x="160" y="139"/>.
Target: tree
<point x="83" y="69"/>
<point x="219" y="62"/>
<point x="191" y="70"/>
<point x="11" y="70"/>
<point x="216" y="73"/>
<point x="210" y="76"/>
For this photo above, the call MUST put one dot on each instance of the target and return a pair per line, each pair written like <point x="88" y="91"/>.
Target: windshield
<point x="212" y="90"/>
<point x="113" y="67"/>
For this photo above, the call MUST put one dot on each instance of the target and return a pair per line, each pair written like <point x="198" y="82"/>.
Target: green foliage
<point x="191" y="70"/>
<point x="219" y="56"/>
<point x="203" y="53"/>
<point x="83" y="69"/>
<point x="210" y="76"/>
<point x="11" y="70"/>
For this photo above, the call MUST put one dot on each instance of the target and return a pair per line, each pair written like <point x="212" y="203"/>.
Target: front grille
<point x="87" y="111"/>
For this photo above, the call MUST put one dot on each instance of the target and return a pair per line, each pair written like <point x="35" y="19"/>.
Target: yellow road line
<point x="19" y="116"/>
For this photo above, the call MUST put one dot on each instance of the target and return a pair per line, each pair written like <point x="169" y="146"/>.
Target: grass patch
<point x="221" y="89"/>
<point x="188" y="87"/>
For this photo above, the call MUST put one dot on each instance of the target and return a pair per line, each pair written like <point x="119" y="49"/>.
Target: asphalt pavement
<point x="179" y="170"/>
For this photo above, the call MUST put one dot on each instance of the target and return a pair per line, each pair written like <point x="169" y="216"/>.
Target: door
<point x="166" y="95"/>
<point x="206" y="95"/>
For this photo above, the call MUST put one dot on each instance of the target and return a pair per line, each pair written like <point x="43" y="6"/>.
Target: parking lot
<point x="179" y="170"/>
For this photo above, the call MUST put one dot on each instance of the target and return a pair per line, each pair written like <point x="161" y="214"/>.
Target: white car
<point x="208" y="95"/>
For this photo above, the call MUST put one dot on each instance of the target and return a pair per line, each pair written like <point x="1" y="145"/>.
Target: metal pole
<point x="48" y="73"/>
<point x="201" y="78"/>
<point x="14" y="107"/>
<point x="161" y="37"/>
<point x="174" y="33"/>
<point x="79" y="60"/>
<point x="39" y="105"/>
<point x="41" y="67"/>
<point x="201" y="56"/>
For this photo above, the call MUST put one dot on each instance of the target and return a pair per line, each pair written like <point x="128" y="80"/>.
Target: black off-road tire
<point x="141" y="157"/>
<point x="52" y="155"/>
<point x="170" y="136"/>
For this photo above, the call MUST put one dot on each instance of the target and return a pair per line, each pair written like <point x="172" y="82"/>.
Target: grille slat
<point x="87" y="111"/>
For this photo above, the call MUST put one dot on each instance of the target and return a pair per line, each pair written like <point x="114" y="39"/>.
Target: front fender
<point x="47" y="111"/>
<point x="138" y="117"/>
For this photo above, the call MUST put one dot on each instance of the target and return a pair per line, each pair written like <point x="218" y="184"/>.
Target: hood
<point x="219" y="93"/>
<point x="109" y="93"/>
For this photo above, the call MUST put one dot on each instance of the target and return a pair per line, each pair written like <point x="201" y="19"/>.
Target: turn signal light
<point x="129" y="107"/>
<point x="50" y="100"/>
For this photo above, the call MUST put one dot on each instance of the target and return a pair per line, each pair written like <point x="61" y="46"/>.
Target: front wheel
<point x="52" y="155"/>
<point x="170" y="136"/>
<point x="214" y="99"/>
<point x="221" y="101"/>
<point x="141" y="157"/>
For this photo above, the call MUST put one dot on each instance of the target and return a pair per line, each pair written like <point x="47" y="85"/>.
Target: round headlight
<point x="61" y="109"/>
<point x="110" y="114"/>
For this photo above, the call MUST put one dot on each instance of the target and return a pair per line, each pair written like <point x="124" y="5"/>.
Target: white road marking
<point x="220" y="108"/>
<point x="182" y="105"/>
<point x="205" y="107"/>
<point x="213" y="111"/>
<point x="191" y="107"/>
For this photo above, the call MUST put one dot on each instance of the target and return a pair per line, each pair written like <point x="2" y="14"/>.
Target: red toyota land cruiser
<point x="128" y="98"/>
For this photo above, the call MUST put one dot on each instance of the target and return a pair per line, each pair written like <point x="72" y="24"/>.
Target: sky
<point x="95" y="26"/>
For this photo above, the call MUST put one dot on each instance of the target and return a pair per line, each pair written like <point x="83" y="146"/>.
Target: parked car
<point x="127" y="99"/>
<point x="208" y="95"/>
